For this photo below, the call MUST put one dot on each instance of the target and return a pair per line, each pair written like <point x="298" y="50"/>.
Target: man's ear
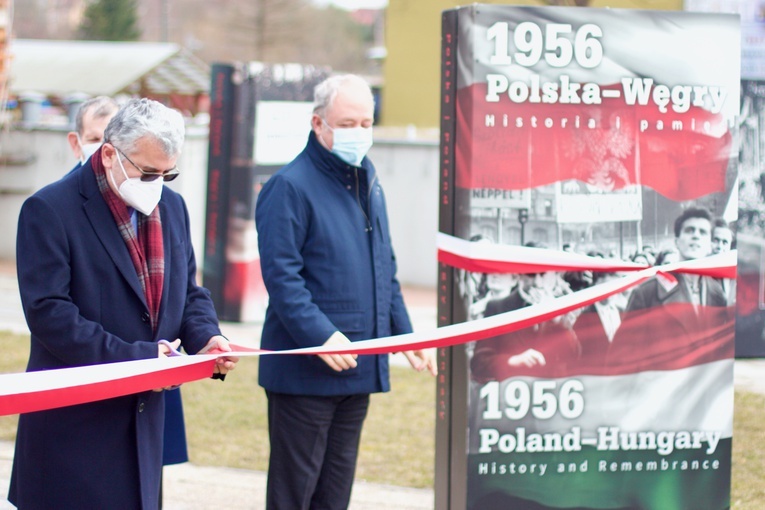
<point x="316" y="123"/>
<point x="107" y="153"/>
<point x="71" y="137"/>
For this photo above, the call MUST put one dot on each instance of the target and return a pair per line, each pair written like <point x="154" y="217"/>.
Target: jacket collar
<point x="331" y="164"/>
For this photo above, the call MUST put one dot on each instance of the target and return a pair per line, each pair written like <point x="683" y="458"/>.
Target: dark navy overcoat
<point x="84" y="305"/>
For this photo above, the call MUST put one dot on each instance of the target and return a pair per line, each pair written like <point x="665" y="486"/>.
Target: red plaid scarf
<point x="146" y="249"/>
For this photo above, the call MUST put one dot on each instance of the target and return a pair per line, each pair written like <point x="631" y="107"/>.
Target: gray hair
<point x="99" y="107"/>
<point x="145" y="117"/>
<point x="325" y="92"/>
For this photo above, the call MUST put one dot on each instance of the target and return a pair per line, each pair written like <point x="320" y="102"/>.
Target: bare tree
<point x="272" y="31"/>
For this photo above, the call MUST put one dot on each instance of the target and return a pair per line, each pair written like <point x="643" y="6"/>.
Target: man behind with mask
<point x="107" y="274"/>
<point x="89" y="125"/>
<point x="330" y="272"/>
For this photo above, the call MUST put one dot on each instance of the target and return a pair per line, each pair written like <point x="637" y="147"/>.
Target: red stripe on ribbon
<point x="481" y="329"/>
<point x="498" y="266"/>
<point x="79" y="386"/>
<point x="498" y="258"/>
<point x="40" y="400"/>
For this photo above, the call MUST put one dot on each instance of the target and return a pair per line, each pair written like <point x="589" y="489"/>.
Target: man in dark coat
<point x="106" y="270"/>
<point x="676" y="318"/>
<point x="330" y="272"/>
<point x="539" y="350"/>
<point x="598" y="323"/>
<point x="693" y="238"/>
<point x="90" y="123"/>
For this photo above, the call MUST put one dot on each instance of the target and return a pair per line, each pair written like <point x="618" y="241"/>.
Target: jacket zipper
<point x="369" y="198"/>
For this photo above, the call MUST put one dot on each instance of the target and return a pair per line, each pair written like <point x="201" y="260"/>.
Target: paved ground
<point x="192" y="487"/>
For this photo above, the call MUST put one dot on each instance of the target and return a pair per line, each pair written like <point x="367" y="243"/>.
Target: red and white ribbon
<point x="48" y="389"/>
<point x="37" y="391"/>
<point x="483" y="257"/>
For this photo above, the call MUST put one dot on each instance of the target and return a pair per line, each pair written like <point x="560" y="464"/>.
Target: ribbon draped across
<point x="37" y="391"/>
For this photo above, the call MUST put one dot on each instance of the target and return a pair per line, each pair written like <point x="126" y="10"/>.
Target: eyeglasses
<point x="167" y="175"/>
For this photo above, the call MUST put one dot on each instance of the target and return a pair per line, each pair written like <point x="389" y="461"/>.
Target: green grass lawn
<point x="226" y="426"/>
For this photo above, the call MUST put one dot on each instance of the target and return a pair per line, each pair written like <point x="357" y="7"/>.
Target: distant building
<point x="413" y="61"/>
<point x="54" y="71"/>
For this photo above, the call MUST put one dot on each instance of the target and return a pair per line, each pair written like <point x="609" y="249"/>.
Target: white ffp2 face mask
<point x="87" y="149"/>
<point x="351" y="144"/>
<point x="143" y="196"/>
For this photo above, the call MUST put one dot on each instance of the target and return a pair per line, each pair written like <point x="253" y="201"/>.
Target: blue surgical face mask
<point x="351" y="144"/>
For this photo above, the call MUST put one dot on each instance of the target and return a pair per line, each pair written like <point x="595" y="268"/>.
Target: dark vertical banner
<point x="218" y="161"/>
<point x="609" y="133"/>
<point x="269" y="125"/>
<point x="241" y="272"/>
<point x="449" y="470"/>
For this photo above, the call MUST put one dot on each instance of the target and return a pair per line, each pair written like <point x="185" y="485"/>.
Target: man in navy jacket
<point x="106" y="270"/>
<point x="330" y="272"/>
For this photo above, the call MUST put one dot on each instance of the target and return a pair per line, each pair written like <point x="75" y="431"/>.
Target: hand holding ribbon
<point x="223" y="364"/>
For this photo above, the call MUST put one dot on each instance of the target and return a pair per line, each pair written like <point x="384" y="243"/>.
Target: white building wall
<point x="407" y="170"/>
<point x="31" y="159"/>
